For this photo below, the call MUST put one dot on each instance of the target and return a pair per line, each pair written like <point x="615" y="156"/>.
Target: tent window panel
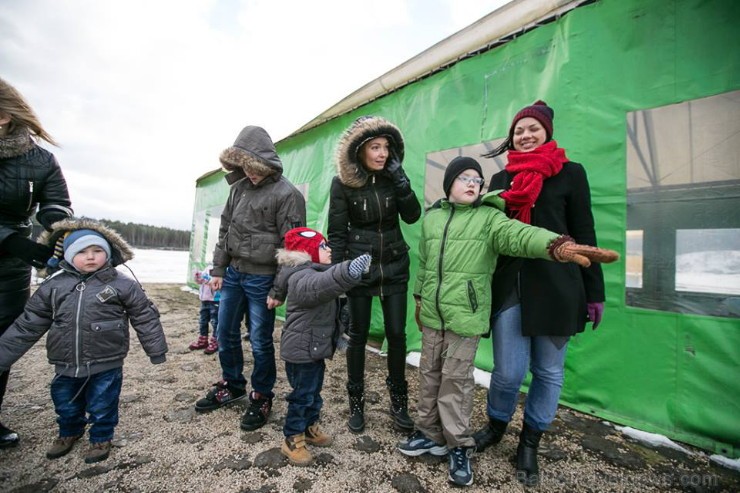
<point x="708" y="261"/>
<point x="634" y="259"/>
<point x="683" y="194"/>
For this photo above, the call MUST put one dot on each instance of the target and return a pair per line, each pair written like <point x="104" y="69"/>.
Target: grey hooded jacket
<point x="255" y="217"/>
<point x="312" y="326"/>
<point x="86" y="315"/>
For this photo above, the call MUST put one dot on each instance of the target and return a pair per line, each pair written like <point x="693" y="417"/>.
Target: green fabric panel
<point x="593" y="65"/>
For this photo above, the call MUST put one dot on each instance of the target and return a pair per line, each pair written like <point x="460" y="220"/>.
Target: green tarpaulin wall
<point x="659" y="371"/>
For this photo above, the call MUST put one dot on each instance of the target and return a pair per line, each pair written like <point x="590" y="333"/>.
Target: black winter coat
<point x="29" y="180"/>
<point x="366" y="220"/>
<point x="553" y="295"/>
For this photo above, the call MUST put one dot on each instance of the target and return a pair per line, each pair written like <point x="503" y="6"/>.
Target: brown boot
<point x="97" y="452"/>
<point x="316" y="437"/>
<point x="294" y="448"/>
<point x="61" y="447"/>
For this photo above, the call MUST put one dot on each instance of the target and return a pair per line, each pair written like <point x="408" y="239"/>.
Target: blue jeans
<point x="513" y="354"/>
<point x="97" y="395"/>
<point x="241" y="292"/>
<point x="208" y="313"/>
<point x="304" y="402"/>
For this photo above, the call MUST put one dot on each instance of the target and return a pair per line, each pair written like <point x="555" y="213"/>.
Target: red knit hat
<point x="304" y="240"/>
<point x="540" y="112"/>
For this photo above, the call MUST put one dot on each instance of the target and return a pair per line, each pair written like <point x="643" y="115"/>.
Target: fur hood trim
<point x="350" y="170"/>
<point x="121" y="251"/>
<point x="253" y="151"/>
<point x="292" y="258"/>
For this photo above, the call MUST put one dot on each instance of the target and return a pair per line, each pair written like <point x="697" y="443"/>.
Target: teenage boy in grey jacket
<point x="310" y="332"/>
<point x="85" y="307"/>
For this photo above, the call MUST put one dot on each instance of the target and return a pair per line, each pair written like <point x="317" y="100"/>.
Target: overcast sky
<point x="143" y="95"/>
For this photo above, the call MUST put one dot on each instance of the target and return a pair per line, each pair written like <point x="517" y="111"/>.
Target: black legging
<point x="394" y="319"/>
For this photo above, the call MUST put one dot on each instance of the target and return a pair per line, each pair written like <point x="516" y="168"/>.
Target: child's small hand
<point x="417" y="314"/>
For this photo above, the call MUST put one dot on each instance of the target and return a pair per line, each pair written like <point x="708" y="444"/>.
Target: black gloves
<point x="48" y="217"/>
<point x="395" y="172"/>
<point x="29" y="251"/>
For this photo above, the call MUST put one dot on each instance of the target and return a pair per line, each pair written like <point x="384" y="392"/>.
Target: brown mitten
<point x="583" y="255"/>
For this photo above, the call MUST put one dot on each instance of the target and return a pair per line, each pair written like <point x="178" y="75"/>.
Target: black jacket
<point x="29" y="180"/>
<point x="364" y="210"/>
<point x="553" y="295"/>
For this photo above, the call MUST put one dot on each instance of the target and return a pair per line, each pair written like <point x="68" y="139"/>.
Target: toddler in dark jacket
<point x="311" y="330"/>
<point x="85" y="306"/>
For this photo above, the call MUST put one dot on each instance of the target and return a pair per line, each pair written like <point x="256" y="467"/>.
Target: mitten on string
<point x="360" y="265"/>
<point x="565" y="249"/>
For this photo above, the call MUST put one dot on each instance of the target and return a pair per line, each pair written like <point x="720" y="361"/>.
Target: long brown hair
<point x="15" y="105"/>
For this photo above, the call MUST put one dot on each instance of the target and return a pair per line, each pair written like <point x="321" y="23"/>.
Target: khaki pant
<point x="446" y="387"/>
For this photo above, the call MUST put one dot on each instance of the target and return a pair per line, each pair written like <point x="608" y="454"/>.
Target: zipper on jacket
<point x="30" y="194"/>
<point x="380" y="232"/>
<point x="80" y="288"/>
<point x="439" y="265"/>
<point x="472" y="297"/>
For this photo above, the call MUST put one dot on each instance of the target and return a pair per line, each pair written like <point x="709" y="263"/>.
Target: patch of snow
<point x="726" y="462"/>
<point x="652" y="439"/>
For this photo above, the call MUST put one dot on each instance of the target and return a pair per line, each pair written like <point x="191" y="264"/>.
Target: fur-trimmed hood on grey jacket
<point x="312" y="325"/>
<point x="350" y="170"/>
<point x="121" y="251"/>
<point x="253" y="151"/>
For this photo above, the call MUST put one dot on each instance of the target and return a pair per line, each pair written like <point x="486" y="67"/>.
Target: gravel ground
<point x="161" y="444"/>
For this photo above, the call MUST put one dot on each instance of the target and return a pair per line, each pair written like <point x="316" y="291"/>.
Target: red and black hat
<point x="304" y="240"/>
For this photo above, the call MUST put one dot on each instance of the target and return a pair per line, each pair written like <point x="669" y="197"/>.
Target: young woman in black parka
<point x="31" y="182"/>
<point x="368" y="196"/>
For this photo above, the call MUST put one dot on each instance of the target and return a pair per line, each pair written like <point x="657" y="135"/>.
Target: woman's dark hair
<point x="505" y="146"/>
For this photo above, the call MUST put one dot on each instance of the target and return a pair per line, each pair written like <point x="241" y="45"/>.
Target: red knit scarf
<point x="530" y="169"/>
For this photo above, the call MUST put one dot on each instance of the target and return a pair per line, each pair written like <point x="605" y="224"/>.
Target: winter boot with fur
<point x="294" y="448"/>
<point x="527" y="470"/>
<point x="400" y="405"/>
<point x="490" y="434"/>
<point x="356" y="422"/>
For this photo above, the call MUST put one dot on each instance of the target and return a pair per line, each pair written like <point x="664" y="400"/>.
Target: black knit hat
<point x="457" y="166"/>
<point x="540" y="112"/>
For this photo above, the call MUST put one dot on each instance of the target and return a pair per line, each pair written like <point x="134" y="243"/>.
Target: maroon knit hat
<point x="540" y="112"/>
<point x="304" y="240"/>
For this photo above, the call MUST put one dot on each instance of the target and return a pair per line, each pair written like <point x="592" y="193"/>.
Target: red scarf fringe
<point x="530" y="170"/>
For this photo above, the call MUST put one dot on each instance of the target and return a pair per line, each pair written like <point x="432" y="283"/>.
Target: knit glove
<point x="29" y="251"/>
<point x="395" y="172"/>
<point x="360" y="265"/>
<point x="595" y="312"/>
<point x="564" y="249"/>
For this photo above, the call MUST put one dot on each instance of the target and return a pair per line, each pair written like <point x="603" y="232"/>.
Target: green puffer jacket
<point x="457" y="256"/>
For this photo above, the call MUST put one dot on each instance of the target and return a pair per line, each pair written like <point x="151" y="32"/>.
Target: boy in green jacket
<point x="461" y="239"/>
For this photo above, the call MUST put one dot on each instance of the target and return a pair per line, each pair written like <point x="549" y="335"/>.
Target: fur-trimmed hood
<point x="291" y="258"/>
<point x="121" y="251"/>
<point x="350" y="170"/>
<point x="253" y="150"/>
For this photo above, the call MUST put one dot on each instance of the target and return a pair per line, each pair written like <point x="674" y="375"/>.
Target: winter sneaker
<point x="220" y="395"/>
<point x="212" y="346"/>
<point x="97" y="452"/>
<point x="61" y="447"/>
<point x="200" y="343"/>
<point x="259" y="409"/>
<point x="8" y="438"/>
<point x="460" y="472"/>
<point x="316" y="437"/>
<point x="294" y="448"/>
<point x="418" y="444"/>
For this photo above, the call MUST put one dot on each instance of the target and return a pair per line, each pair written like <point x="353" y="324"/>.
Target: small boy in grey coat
<point x="85" y="308"/>
<point x="310" y="332"/>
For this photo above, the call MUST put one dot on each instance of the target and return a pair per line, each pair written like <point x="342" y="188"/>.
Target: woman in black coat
<point x="538" y="304"/>
<point x="369" y="195"/>
<point x="30" y="179"/>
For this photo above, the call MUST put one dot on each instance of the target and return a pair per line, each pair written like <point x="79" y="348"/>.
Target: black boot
<point x="527" y="470"/>
<point x="8" y="438"/>
<point x="356" y="422"/>
<point x="400" y="406"/>
<point x="490" y="434"/>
